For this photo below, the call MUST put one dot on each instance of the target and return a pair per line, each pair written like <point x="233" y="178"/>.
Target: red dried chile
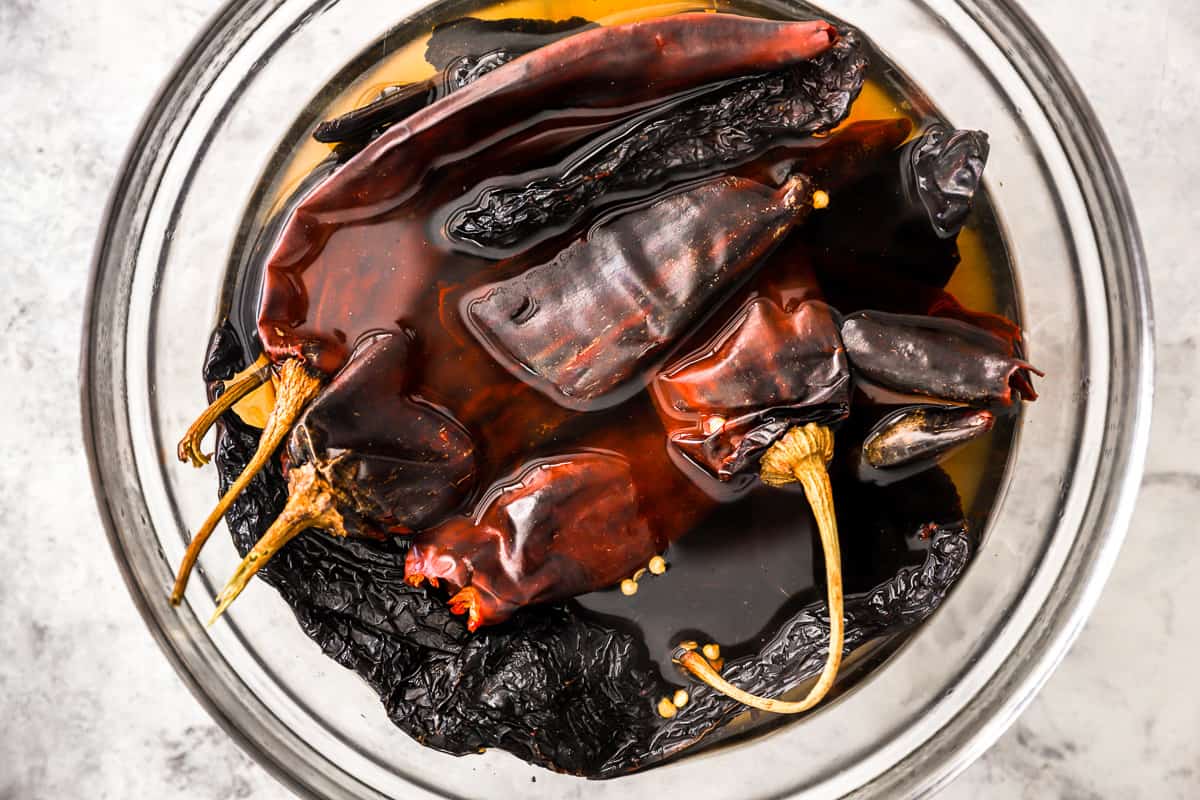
<point x="767" y="371"/>
<point x="612" y="69"/>
<point x="563" y="527"/>
<point x="367" y="458"/>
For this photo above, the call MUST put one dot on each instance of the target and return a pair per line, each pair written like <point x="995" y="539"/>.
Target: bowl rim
<point x="1057" y="624"/>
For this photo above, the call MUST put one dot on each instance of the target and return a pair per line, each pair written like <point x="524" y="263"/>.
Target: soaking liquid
<point x="739" y="563"/>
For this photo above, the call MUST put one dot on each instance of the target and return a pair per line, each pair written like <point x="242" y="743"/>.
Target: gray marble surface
<point x="89" y="708"/>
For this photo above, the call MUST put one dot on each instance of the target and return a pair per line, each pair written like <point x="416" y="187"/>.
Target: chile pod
<point x="582" y="325"/>
<point x="917" y="205"/>
<point x="563" y="527"/>
<point x="946" y="359"/>
<point x="766" y="371"/>
<point x="923" y="433"/>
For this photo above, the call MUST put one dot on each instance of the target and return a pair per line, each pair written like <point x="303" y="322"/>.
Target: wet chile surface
<point x="572" y="686"/>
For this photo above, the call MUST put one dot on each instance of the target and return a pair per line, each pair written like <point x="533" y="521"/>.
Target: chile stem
<point x="800" y="456"/>
<point x="189" y="445"/>
<point x="297" y="386"/>
<point x="311" y="504"/>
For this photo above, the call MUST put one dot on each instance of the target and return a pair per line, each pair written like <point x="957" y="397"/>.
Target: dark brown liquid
<point x="739" y="563"/>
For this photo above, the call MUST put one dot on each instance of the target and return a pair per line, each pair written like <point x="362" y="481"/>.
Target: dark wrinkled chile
<point x="768" y="370"/>
<point x="798" y="650"/>
<point x="669" y="139"/>
<point x="563" y="527"/>
<point x="397" y="463"/>
<point x="937" y="357"/>
<point x="944" y="168"/>
<point x="720" y="129"/>
<point x="917" y="206"/>
<point x="580" y="326"/>
<point x="923" y="433"/>
<point x="479" y="46"/>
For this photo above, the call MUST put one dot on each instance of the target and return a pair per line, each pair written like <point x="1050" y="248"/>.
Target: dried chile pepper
<point x="768" y="370"/>
<point x="555" y="689"/>
<point x="563" y="527"/>
<point x="364" y="459"/>
<point x="614" y="68"/>
<point x="716" y="131"/>
<point x="581" y="326"/>
<point x="463" y="51"/>
<point x="923" y="433"/>
<point x="937" y="357"/>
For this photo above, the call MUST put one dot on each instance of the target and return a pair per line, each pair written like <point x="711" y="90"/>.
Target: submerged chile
<point x="923" y="433"/>
<point x="563" y="527"/>
<point x="585" y="323"/>
<point x="918" y="203"/>
<point x="941" y="358"/>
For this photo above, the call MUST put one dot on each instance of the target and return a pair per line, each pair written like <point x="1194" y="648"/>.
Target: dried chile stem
<point x="297" y="386"/>
<point x="800" y="456"/>
<point x="311" y="504"/>
<point x="189" y="445"/>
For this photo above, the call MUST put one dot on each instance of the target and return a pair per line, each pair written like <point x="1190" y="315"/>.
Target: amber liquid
<point x="746" y="562"/>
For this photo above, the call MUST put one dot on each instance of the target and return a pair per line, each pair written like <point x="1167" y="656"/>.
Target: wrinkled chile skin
<point x="561" y="528"/>
<point x="724" y="127"/>
<point x="582" y="325"/>
<point x="552" y="688"/>
<point x="766" y="371"/>
<point x="396" y="463"/>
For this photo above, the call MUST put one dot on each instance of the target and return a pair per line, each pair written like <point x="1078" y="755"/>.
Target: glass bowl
<point x="918" y="720"/>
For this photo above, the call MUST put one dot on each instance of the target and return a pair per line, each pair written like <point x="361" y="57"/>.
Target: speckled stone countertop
<point x="89" y="707"/>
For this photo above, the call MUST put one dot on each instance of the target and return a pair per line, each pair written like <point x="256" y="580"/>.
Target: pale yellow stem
<point x="311" y="504"/>
<point x="235" y="390"/>
<point x="800" y="456"/>
<point x="297" y="386"/>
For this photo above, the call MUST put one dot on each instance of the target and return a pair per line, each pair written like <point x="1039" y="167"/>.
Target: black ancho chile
<point x="549" y="686"/>
<point x="724" y="127"/>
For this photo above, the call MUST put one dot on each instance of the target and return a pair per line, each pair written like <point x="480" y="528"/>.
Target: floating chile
<point x="563" y="527"/>
<point x="584" y="323"/>
<point x="923" y="433"/>
<point x="625" y="65"/>
<point x="918" y="201"/>
<point x="941" y="358"/>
